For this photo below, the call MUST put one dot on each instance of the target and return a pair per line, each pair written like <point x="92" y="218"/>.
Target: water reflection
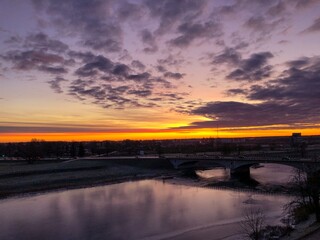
<point x="275" y="174"/>
<point x="134" y="210"/>
<point x="216" y="174"/>
<point x="266" y="174"/>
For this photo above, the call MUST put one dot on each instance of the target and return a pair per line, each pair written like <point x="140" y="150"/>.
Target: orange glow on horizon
<point x="153" y="134"/>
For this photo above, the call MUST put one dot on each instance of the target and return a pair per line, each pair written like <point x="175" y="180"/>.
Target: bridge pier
<point x="240" y="172"/>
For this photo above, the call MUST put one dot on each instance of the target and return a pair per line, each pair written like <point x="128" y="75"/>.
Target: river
<point x="147" y="209"/>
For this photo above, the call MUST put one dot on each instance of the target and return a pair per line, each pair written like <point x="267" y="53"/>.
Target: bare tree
<point x="253" y="222"/>
<point x="307" y="185"/>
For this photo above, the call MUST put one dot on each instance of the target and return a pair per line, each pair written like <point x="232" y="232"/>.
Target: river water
<point x="148" y="209"/>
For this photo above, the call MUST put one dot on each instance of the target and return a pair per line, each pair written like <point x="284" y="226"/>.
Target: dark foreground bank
<point x="19" y="177"/>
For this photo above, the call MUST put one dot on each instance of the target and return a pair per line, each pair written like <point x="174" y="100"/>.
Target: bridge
<point x="240" y="165"/>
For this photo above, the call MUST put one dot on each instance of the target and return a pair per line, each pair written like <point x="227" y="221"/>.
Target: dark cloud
<point x="149" y="40"/>
<point x="172" y="12"/>
<point x="283" y="41"/>
<point x="315" y="27"/>
<point x="251" y="69"/>
<point x="173" y="75"/>
<point x="128" y="11"/>
<point x="109" y="70"/>
<point x="277" y="9"/>
<point x="226" y="10"/>
<point x="301" y="62"/>
<point x="171" y="60"/>
<point x="36" y="60"/>
<point x="53" y="70"/>
<point x="254" y="75"/>
<point x="291" y="99"/>
<point x="262" y="25"/>
<point x="302" y="4"/>
<point x="189" y="32"/>
<point x="299" y="84"/>
<point x="92" y="20"/>
<point x="93" y="64"/>
<point x="108" y="96"/>
<point x="172" y="96"/>
<point x="235" y="91"/>
<point x="237" y="114"/>
<point x="42" y="42"/>
<point x="161" y="69"/>
<point x="121" y="70"/>
<point x="140" y="93"/>
<point x="83" y="56"/>
<point x="138" y="65"/>
<point x="55" y="84"/>
<point x="229" y="56"/>
<point x="13" y="40"/>
<point x="139" y="77"/>
<point x="117" y="85"/>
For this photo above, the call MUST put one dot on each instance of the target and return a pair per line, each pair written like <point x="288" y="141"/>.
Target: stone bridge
<point x="241" y="165"/>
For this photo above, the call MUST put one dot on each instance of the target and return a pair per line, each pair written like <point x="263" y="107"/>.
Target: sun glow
<point x="153" y="134"/>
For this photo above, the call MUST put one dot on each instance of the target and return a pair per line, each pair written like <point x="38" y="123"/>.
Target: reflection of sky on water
<point x="217" y="174"/>
<point x="131" y="210"/>
<point x="272" y="174"/>
<point x="268" y="174"/>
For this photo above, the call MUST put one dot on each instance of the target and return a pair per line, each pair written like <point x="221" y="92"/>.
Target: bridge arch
<point x="240" y="166"/>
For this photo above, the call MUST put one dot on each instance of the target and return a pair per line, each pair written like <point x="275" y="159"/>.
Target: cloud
<point x="172" y="60"/>
<point x="138" y="65"/>
<point x="277" y="9"/>
<point x="237" y="114"/>
<point x="172" y="12"/>
<point x="93" y="21"/>
<point x="262" y="25"/>
<point x="129" y="11"/>
<point x="315" y="27"/>
<point x="173" y="75"/>
<point x="291" y="99"/>
<point x="189" y="32"/>
<point x="121" y="70"/>
<point x="298" y="85"/>
<point x="36" y="60"/>
<point x="229" y="56"/>
<point x="117" y="85"/>
<point x="55" y="84"/>
<point x="93" y="64"/>
<point x="253" y="68"/>
<point x="148" y="39"/>
<point x="303" y="4"/>
<point x="42" y="42"/>
<point x="140" y="93"/>
<point x="57" y="70"/>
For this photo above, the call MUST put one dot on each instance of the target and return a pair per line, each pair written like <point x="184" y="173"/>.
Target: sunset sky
<point x="158" y="69"/>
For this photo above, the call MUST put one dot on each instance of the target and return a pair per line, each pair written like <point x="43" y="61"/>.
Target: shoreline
<point x="20" y="179"/>
<point x="24" y="179"/>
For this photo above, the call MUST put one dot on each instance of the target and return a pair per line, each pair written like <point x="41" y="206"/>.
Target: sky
<point x="158" y="69"/>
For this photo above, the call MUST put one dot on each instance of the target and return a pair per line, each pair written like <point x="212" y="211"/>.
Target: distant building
<point x="296" y="135"/>
<point x="296" y="139"/>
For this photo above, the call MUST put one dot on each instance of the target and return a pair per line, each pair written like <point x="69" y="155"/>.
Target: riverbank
<point x="19" y="177"/>
<point x="307" y="230"/>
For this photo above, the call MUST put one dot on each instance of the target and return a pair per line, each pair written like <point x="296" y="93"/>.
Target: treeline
<point x="40" y="149"/>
